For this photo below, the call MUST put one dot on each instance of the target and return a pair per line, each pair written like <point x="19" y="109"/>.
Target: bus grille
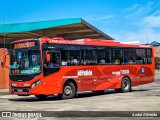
<point x="20" y="89"/>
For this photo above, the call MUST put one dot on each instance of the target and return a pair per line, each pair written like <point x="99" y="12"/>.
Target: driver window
<point x="51" y="62"/>
<point x="54" y="60"/>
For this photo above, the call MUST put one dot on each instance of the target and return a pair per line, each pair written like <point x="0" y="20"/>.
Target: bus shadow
<point x="57" y="98"/>
<point x="141" y="90"/>
<point x="80" y="95"/>
<point x="90" y="94"/>
<point x="34" y="99"/>
<point x="108" y="92"/>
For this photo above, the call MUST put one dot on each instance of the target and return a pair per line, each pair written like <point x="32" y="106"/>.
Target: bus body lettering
<point x="84" y="73"/>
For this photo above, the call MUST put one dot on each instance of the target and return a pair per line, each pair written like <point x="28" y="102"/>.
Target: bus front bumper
<point x="33" y="90"/>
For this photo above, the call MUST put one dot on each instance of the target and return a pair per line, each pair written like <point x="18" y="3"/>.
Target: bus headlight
<point x="36" y="83"/>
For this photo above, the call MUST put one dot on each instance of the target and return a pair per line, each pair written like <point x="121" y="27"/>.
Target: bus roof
<point x="86" y="41"/>
<point x="97" y="42"/>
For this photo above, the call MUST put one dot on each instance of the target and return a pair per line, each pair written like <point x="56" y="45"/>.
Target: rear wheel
<point x="41" y="97"/>
<point x="125" y="86"/>
<point x="69" y="91"/>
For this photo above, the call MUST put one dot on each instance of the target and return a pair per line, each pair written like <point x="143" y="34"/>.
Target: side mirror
<point x="48" y="57"/>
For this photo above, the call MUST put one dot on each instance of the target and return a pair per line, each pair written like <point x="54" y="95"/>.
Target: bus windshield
<point x="25" y="62"/>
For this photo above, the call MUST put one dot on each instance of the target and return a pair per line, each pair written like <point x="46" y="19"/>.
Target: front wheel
<point x="69" y="91"/>
<point x="125" y="86"/>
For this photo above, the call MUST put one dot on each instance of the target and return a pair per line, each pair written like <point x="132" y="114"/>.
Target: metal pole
<point x="4" y="39"/>
<point x="147" y="39"/>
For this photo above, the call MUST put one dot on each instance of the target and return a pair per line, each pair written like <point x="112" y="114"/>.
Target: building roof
<point x="155" y="43"/>
<point x="73" y="28"/>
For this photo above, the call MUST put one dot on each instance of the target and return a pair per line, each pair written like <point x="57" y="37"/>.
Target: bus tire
<point x="69" y="90"/>
<point x="41" y="97"/>
<point x="125" y="86"/>
<point x="99" y="92"/>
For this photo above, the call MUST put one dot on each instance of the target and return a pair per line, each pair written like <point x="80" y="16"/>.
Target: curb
<point x="157" y="72"/>
<point x="4" y="92"/>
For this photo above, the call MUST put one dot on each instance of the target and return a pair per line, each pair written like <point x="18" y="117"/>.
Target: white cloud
<point x="145" y="19"/>
<point x="143" y="36"/>
<point x="135" y="14"/>
<point x="105" y="17"/>
<point x="156" y="13"/>
<point x="152" y="21"/>
<point x="141" y="21"/>
<point x="138" y="11"/>
<point x="98" y="18"/>
<point x="133" y="7"/>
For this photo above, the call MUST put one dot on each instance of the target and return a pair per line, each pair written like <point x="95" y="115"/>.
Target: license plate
<point x="19" y="90"/>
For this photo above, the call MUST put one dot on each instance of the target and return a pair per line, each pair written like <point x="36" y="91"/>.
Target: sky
<point x="123" y="20"/>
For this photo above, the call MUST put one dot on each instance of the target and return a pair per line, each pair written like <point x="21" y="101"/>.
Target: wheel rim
<point x="126" y="85"/>
<point x="68" y="90"/>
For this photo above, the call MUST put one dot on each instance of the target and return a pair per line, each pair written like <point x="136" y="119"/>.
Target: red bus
<point x="45" y="66"/>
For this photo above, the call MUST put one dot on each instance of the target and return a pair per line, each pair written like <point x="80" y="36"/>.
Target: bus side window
<point x="103" y="55"/>
<point x="149" y="56"/>
<point x="55" y="59"/>
<point x="129" y="56"/>
<point x="139" y="60"/>
<point x="88" y="56"/>
<point x="141" y="56"/>
<point x="70" y="55"/>
<point x="117" y="56"/>
<point x="130" y="60"/>
<point x="144" y="60"/>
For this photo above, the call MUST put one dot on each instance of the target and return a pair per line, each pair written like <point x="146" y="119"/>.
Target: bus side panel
<point x="116" y="73"/>
<point x="101" y="77"/>
<point x="113" y="74"/>
<point x="84" y="76"/>
<point x="144" y="75"/>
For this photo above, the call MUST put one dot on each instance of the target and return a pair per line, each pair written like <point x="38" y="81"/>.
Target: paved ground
<point x="143" y="98"/>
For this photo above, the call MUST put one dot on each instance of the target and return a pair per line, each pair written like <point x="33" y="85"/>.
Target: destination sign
<point x="24" y="45"/>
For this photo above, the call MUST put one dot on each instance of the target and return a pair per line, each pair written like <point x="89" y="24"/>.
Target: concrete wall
<point x="4" y="72"/>
<point x="157" y="51"/>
